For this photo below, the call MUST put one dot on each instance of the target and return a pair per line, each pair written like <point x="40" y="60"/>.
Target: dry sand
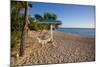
<point x="66" y="48"/>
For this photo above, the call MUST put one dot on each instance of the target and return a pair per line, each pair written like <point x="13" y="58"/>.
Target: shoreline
<point x="82" y="35"/>
<point x="78" y="31"/>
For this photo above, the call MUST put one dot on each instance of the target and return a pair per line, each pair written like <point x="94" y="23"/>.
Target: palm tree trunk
<point x="24" y="30"/>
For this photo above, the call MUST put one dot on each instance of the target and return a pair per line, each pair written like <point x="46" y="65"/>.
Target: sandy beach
<point x="66" y="48"/>
<point x="51" y="35"/>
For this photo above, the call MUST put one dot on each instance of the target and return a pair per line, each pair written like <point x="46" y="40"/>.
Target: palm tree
<point x="25" y="28"/>
<point x="49" y="15"/>
<point x="38" y="17"/>
<point x="54" y="17"/>
<point x="18" y="6"/>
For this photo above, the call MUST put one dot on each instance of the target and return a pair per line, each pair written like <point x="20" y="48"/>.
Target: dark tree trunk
<point x="24" y="30"/>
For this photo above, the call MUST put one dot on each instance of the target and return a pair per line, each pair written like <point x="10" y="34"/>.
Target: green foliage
<point x="31" y="19"/>
<point x="16" y="22"/>
<point x="38" y="27"/>
<point x="48" y="15"/>
<point x="15" y="38"/>
<point x="54" y="17"/>
<point x="32" y="26"/>
<point x="38" y="17"/>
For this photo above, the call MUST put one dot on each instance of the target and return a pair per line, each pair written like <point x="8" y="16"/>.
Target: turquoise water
<point x="80" y="31"/>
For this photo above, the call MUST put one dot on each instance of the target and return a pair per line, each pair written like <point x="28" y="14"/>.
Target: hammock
<point x="44" y="37"/>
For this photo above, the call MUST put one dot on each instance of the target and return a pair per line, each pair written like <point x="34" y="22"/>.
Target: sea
<point x="79" y="31"/>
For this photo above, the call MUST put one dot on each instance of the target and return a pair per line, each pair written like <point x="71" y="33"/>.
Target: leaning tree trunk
<point x="24" y="30"/>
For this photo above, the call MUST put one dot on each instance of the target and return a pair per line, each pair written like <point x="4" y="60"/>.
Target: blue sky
<point x="72" y="16"/>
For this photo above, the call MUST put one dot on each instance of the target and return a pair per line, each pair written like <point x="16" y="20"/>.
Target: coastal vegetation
<point x="34" y="25"/>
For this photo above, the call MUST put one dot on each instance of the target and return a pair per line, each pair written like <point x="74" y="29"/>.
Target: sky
<point x="71" y="15"/>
